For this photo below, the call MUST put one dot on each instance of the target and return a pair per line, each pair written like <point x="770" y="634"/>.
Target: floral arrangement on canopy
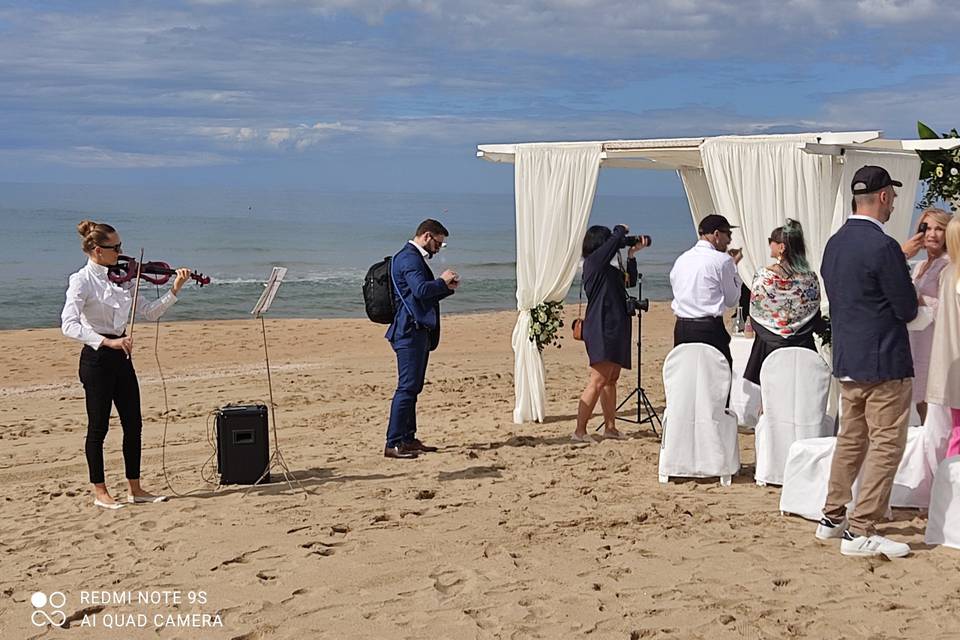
<point x="546" y="324"/>
<point x="939" y="170"/>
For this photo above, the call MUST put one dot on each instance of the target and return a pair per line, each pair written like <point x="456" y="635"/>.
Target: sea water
<point x="326" y="240"/>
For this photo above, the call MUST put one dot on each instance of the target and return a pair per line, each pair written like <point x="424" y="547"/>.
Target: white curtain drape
<point x="555" y="187"/>
<point x="698" y="193"/>
<point x="901" y="165"/>
<point x="759" y="182"/>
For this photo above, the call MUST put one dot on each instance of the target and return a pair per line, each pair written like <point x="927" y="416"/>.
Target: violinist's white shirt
<point x="97" y="306"/>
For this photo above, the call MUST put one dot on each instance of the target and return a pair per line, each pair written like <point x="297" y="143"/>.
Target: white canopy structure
<point x="755" y="181"/>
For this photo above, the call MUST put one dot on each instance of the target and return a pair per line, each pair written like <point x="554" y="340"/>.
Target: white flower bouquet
<point x="546" y="323"/>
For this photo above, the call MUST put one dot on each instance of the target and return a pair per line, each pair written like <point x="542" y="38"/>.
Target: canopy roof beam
<point x="667" y="153"/>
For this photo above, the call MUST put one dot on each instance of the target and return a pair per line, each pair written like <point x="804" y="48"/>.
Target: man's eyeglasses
<point x="112" y="247"/>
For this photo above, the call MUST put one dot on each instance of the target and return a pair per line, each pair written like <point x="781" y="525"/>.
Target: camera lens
<point x="629" y="241"/>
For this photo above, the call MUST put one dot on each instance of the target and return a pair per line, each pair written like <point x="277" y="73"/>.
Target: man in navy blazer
<point x="872" y="299"/>
<point x="415" y="331"/>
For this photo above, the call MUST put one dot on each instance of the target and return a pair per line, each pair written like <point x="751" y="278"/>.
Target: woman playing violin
<point x="96" y="313"/>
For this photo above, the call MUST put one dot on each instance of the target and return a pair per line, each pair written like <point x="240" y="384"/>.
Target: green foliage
<point x="939" y="170"/>
<point x="546" y="322"/>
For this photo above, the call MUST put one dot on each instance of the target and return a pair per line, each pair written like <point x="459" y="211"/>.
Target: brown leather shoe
<point x="400" y="452"/>
<point x="419" y="447"/>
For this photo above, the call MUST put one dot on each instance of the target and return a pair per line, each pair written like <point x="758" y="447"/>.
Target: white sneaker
<point x="852" y="545"/>
<point x="829" y="530"/>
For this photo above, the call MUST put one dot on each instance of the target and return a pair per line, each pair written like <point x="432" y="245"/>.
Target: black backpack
<point x="378" y="292"/>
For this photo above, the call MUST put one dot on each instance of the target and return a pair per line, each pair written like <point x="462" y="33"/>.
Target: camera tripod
<point x="640" y="306"/>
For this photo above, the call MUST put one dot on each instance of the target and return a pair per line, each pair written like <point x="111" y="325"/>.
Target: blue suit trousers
<point x="413" y="352"/>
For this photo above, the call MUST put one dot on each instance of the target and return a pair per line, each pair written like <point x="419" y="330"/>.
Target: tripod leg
<point x="620" y="406"/>
<point x="651" y="413"/>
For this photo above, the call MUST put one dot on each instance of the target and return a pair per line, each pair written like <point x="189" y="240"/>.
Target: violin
<point x="154" y="272"/>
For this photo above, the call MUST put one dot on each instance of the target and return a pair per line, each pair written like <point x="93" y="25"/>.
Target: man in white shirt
<point x="705" y="284"/>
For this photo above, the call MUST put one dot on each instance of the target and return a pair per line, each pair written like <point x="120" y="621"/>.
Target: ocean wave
<point x="330" y="278"/>
<point x="470" y="265"/>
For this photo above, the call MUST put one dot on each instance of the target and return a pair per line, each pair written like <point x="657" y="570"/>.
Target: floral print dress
<point x="784" y="304"/>
<point x="784" y="310"/>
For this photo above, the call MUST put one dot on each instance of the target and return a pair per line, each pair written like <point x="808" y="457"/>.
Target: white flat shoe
<point x="584" y="438"/>
<point x="112" y="506"/>
<point x="145" y="500"/>
<point x="615" y="436"/>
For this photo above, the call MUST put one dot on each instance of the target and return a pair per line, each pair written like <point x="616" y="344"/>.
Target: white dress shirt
<point x="873" y="220"/>
<point x="97" y="306"/>
<point x="426" y="254"/>
<point x="705" y="282"/>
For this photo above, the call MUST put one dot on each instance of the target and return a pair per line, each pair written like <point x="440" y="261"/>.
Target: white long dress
<point x="921" y="342"/>
<point x="943" y="385"/>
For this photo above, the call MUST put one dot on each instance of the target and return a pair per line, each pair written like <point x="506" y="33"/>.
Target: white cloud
<point x="218" y="82"/>
<point x="89" y="157"/>
<point x="683" y="28"/>
<point x="298" y="137"/>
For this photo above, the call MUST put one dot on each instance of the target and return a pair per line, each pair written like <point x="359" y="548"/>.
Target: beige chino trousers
<point x="873" y="432"/>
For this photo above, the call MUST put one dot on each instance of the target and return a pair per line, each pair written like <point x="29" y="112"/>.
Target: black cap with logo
<point x="714" y="222"/>
<point x="869" y="178"/>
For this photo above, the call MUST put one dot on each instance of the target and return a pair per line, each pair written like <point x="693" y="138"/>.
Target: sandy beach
<point x="509" y="531"/>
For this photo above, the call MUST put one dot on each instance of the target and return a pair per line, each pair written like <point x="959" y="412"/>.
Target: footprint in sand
<point x="450" y="582"/>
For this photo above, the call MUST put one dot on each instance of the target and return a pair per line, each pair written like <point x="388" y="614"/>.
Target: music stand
<point x="270" y="289"/>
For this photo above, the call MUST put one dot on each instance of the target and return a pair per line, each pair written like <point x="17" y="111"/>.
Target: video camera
<point x="634" y="305"/>
<point x="629" y="241"/>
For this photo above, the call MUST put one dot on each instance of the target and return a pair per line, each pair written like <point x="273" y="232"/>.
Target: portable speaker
<point x="243" y="444"/>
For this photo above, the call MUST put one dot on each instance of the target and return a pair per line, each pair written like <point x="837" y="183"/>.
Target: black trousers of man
<point x="709" y="331"/>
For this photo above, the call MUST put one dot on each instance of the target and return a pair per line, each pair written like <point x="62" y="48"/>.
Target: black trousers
<point x="709" y="331"/>
<point x="109" y="379"/>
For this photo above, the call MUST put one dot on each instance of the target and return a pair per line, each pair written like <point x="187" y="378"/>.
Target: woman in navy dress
<point x="606" y="324"/>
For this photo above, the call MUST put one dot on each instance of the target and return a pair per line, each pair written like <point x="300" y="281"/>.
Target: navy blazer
<point x="422" y="294"/>
<point x="872" y="299"/>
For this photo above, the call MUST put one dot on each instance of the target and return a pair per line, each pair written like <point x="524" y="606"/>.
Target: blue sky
<point x="385" y="95"/>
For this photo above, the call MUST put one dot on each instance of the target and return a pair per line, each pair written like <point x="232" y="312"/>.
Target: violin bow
<point x="136" y="297"/>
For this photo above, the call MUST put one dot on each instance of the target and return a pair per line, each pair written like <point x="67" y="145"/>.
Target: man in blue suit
<point x="415" y="332"/>
<point x="872" y="299"/>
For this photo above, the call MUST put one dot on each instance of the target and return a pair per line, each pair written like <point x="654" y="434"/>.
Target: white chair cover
<point x="943" y="523"/>
<point x="805" y="477"/>
<point x="807" y="471"/>
<point x="699" y="434"/>
<point x="926" y="447"/>
<point x="744" y="395"/>
<point x="795" y="384"/>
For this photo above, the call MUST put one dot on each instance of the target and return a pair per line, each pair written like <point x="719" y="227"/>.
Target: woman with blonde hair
<point x="926" y="279"/>
<point x="96" y="313"/>
<point x="943" y="379"/>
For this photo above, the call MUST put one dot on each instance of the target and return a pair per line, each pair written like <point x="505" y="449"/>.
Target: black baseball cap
<point x="714" y="222"/>
<point x="869" y="178"/>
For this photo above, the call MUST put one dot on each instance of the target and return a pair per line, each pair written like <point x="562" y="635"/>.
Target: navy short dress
<point x="606" y="325"/>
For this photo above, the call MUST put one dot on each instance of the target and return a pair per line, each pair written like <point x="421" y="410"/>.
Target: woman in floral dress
<point x="784" y="299"/>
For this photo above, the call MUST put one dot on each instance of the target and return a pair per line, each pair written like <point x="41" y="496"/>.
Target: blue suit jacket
<point x="422" y="294"/>
<point x="872" y="299"/>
